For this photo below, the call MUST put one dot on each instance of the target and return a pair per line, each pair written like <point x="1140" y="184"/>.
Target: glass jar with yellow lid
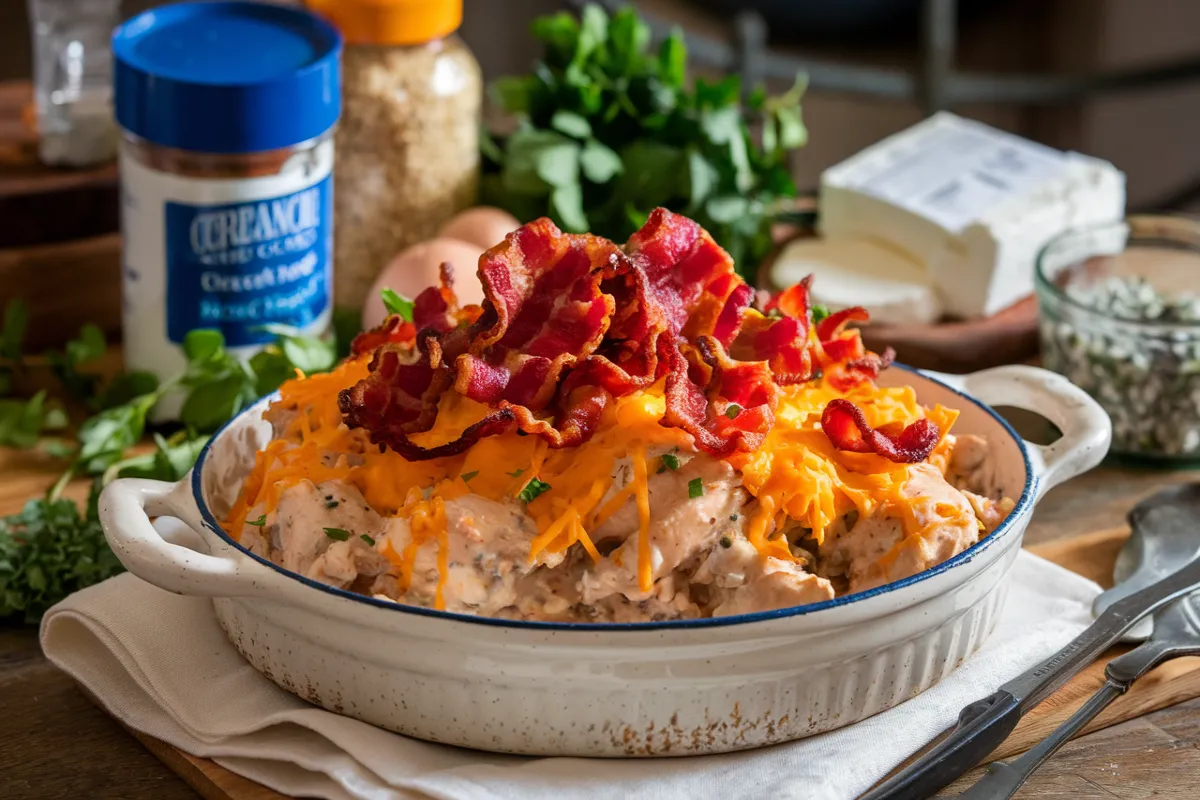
<point x="408" y="140"/>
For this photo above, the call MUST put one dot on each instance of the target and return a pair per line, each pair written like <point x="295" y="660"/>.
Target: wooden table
<point x="55" y="743"/>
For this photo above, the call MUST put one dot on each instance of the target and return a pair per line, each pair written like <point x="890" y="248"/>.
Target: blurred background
<point x="1149" y="129"/>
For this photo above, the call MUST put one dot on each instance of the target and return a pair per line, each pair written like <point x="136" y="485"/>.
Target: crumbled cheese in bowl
<point x="1120" y="317"/>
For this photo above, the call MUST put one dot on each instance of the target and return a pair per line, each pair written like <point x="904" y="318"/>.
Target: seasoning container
<point x="227" y="112"/>
<point x="408" y="141"/>
<point x="1120" y="317"/>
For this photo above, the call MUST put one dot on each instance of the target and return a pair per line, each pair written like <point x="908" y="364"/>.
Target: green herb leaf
<point x="670" y="461"/>
<point x="512" y="94"/>
<point x="600" y="163"/>
<point x="258" y="523"/>
<point x="695" y="488"/>
<point x="732" y="410"/>
<point x="532" y="490"/>
<point x="340" y="534"/>
<point x="727" y="209"/>
<point x="12" y="333"/>
<point x="672" y="59"/>
<point x="467" y="476"/>
<point x="516" y="473"/>
<point x="567" y="202"/>
<point x="203" y="344"/>
<point x="309" y="354"/>
<point x="125" y="387"/>
<point x="571" y="124"/>
<point x="271" y="368"/>
<point x="396" y="303"/>
<point x="819" y="312"/>
<point x="368" y="539"/>
<point x="210" y="405"/>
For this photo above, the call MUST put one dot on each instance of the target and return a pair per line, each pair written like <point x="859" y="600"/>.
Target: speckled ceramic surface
<point x="645" y="689"/>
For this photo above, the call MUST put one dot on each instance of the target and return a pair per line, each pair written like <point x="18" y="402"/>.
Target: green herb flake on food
<point x="258" y="523"/>
<point x="695" y="488"/>
<point x="669" y="462"/>
<point x="733" y="410"/>
<point x="819" y="312"/>
<point x="396" y="303"/>
<point x="532" y="489"/>
<point x="467" y="476"/>
<point x="516" y="473"/>
<point x="340" y="534"/>
<point x="369" y="540"/>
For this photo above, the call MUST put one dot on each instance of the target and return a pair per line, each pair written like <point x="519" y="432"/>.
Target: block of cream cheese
<point x="970" y="203"/>
<point x="857" y="271"/>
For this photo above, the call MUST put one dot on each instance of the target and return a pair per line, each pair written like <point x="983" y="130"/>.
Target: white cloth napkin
<point x="161" y="664"/>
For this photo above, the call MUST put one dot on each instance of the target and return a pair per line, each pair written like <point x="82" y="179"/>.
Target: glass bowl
<point x="1120" y="317"/>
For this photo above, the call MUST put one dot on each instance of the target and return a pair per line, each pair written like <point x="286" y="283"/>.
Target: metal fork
<point x="1176" y="633"/>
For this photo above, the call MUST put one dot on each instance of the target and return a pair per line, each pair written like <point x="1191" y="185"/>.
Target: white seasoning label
<point x="234" y="254"/>
<point x="955" y="171"/>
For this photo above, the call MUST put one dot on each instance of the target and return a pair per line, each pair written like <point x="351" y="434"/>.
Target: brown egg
<point x="482" y="225"/>
<point x="416" y="269"/>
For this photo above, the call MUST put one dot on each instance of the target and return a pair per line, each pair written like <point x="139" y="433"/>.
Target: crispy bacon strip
<point x="571" y="322"/>
<point x="846" y="426"/>
<point x="739" y="408"/>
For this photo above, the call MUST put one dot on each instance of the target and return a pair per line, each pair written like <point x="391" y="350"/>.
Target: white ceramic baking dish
<point x="645" y="689"/>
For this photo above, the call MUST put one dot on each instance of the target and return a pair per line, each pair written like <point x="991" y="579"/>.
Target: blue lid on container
<point x="226" y="77"/>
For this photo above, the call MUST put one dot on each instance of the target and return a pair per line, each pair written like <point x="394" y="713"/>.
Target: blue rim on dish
<point x="676" y="624"/>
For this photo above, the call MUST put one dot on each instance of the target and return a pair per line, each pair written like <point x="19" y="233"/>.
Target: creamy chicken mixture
<point x="702" y="562"/>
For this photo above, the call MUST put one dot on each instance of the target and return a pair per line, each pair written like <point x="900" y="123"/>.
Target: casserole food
<point x="676" y="680"/>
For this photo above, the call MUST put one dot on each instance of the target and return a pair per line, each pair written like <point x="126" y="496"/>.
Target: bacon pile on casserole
<point x="616" y="434"/>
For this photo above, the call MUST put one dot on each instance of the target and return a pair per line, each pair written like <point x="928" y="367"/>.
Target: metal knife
<point x="1176" y="633"/>
<point x="984" y="724"/>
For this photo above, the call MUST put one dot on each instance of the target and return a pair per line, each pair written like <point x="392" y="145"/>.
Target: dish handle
<point x="1086" y="428"/>
<point x="126" y="506"/>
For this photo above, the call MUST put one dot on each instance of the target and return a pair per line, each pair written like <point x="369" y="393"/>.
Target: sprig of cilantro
<point x="608" y="129"/>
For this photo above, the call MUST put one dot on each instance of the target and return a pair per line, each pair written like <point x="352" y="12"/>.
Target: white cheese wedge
<point x="972" y="204"/>
<point x="857" y="271"/>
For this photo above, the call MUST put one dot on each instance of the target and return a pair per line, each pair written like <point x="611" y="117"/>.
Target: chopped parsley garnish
<point x="695" y="488"/>
<point x="366" y="539"/>
<point x="669" y="461"/>
<point x="396" y="303"/>
<point x="532" y="490"/>
<point x="819" y="312"/>
<point x="726" y="542"/>
<point x="733" y="517"/>
<point x="341" y="534"/>
<point x="331" y="503"/>
<point x="258" y="523"/>
<point x="466" y="476"/>
<point x="733" y="410"/>
<point x="516" y="473"/>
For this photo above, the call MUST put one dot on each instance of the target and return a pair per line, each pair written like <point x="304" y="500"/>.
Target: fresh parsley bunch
<point x="47" y="551"/>
<point x="52" y="547"/>
<point x="609" y="129"/>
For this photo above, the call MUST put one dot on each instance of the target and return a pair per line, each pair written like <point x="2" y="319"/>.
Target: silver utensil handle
<point x="1003" y="779"/>
<point x="1035" y="685"/>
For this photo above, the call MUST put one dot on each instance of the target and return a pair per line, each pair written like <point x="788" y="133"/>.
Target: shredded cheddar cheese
<point x="797" y="476"/>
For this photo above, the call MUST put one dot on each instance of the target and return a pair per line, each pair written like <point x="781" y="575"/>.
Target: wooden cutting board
<point x="1092" y="556"/>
